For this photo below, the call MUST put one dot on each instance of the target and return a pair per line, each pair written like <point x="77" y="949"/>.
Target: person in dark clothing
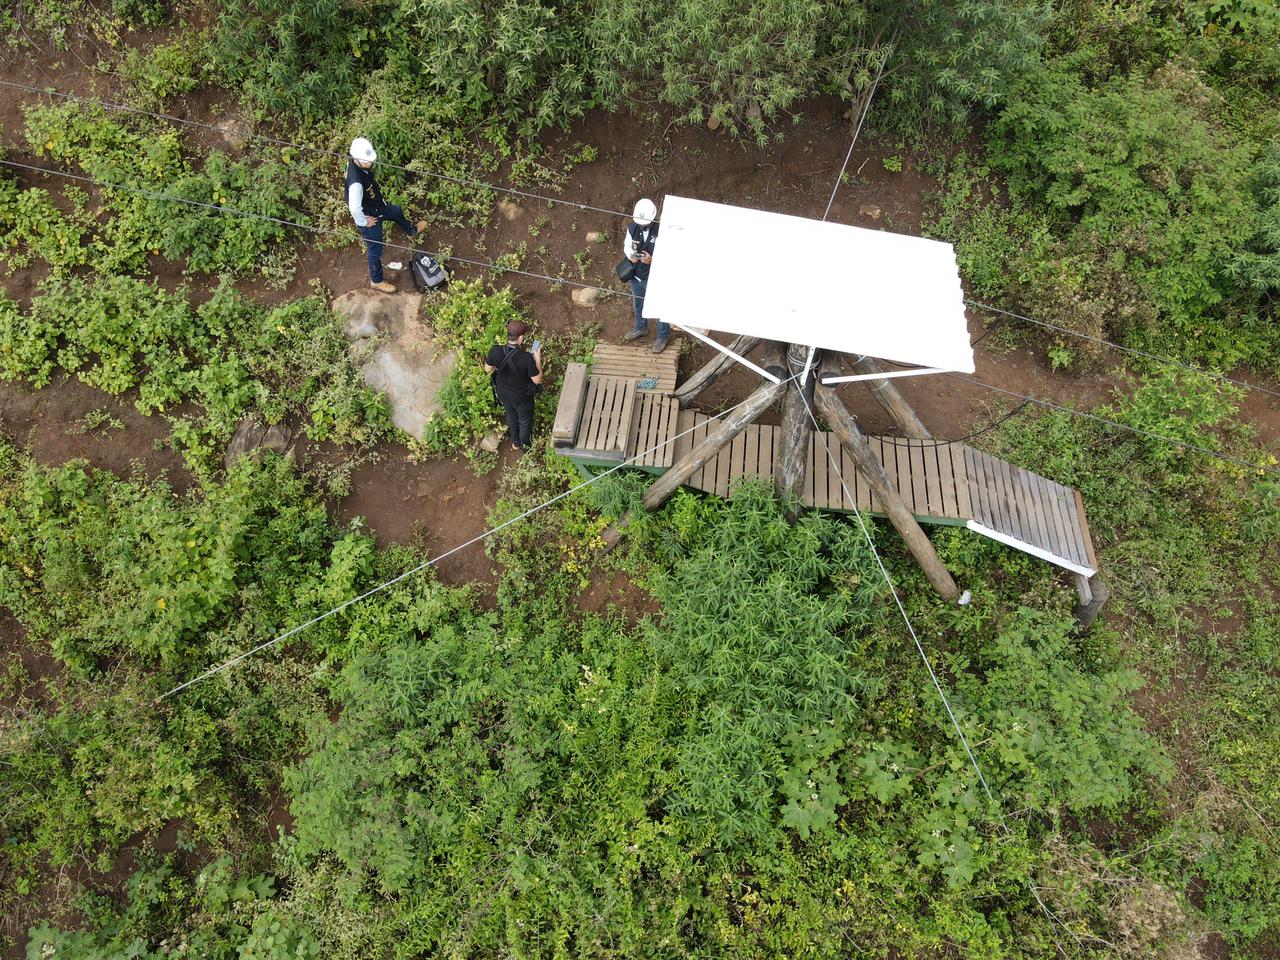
<point x="515" y="375"/>
<point x="369" y="208"/>
<point x="637" y="246"/>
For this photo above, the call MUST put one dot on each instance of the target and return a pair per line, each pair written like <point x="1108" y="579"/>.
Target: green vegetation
<point x="761" y="769"/>
<point x="744" y="757"/>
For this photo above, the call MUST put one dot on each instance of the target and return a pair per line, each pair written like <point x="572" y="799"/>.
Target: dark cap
<point x="516" y="328"/>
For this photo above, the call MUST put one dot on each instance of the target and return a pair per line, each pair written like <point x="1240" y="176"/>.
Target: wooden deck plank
<point x="668" y="418"/>
<point x="1084" y="528"/>
<point x="1079" y="552"/>
<point x="932" y="479"/>
<point x="1034" y="506"/>
<point x="1053" y="517"/>
<point x="606" y="413"/>
<point x="977" y="486"/>
<point x="588" y="412"/>
<point x="947" y="499"/>
<point x="1016" y="508"/>
<point x="1062" y="508"/>
<point x="919" y="479"/>
<point x="652" y="431"/>
<point x="621" y="438"/>
<point x="604" y="391"/>
<point x="636" y="363"/>
<point x="960" y="471"/>
<point x="750" y="450"/>
<point x="1008" y="521"/>
<point x="684" y="442"/>
<point x="573" y="390"/>
<point x="767" y="436"/>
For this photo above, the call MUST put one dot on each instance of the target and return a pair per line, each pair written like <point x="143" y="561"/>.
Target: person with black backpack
<point x="369" y="208"/>
<point x="516" y="377"/>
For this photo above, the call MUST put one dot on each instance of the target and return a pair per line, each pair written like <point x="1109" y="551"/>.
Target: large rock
<point x="399" y="356"/>
<point x="235" y="132"/>
<point x="253" y="437"/>
<point x="585" y="296"/>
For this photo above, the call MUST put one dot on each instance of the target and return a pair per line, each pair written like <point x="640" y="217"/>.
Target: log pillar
<point x="1093" y="593"/>
<point x="714" y="369"/>
<point x="795" y="435"/>
<point x="712" y="444"/>
<point x="870" y="469"/>
<point x="888" y="396"/>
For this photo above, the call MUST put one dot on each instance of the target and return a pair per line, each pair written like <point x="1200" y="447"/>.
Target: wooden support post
<point x="773" y="357"/>
<point x="887" y="395"/>
<point x="794" y="436"/>
<point x="1093" y="593"/>
<point x="712" y="444"/>
<point x="714" y="369"/>
<point x="870" y="469"/>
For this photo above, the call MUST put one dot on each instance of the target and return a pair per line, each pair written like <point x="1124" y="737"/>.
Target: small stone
<point x="713" y="122"/>
<point x="423" y="489"/>
<point x="235" y="133"/>
<point x="252" y="438"/>
<point x="869" y="210"/>
<point x="491" y="443"/>
<point x="594" y="236"/>
<point x="586" y="296"/>
<point x="509" y="209"/>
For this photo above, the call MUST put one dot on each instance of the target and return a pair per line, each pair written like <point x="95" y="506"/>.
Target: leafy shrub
<point x="1153" y="196"/>
<point x="148" y="163"/>
<point x="229" y="355"/>
<point x="303" y="56"/>
<point x="218" y="916"/>
<point x="468" y="320"/>
<point x="166" y="70"/>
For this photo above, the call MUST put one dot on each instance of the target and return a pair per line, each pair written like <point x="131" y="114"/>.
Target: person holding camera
<point x="637" y="246"/>
<point x="369" y="208"/>
<point x="516" y="376"/>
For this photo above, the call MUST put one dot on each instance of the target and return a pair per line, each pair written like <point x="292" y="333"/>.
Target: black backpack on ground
<point x="426" y="273"/>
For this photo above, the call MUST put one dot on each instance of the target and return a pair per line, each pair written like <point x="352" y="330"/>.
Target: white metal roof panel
<point x="822" y="284"/>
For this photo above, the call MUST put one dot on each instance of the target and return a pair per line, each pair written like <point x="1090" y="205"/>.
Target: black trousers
<point x="519" y="421"/>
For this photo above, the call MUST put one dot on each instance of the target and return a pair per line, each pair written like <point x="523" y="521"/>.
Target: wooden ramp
<point x="604" y="420"/>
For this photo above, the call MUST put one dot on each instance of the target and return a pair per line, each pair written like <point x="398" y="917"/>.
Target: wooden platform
<point x="940" y="482"/>
<point x="637" y="363"/>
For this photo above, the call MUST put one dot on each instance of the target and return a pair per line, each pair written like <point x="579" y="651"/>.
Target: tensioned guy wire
<point x="280" y="638"/>
<point x="435" y="174"/>
<point x="351" y="234"/>
<point x="866" y="107"/>
<point x="582" y="206"/>
<point x="1116" y="346"/>
<point x="1208" y="451"/>
<point x="485" y="264"/>
<point x="933" y="676"/>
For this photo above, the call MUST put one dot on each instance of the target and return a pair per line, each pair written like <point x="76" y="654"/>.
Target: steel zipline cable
<point x="497" y="268"/>
<point x="1116" y="346"/>
<point x="337" y="154"/>
<point x="353" y="233"/>
<point x="469" y="181"/>
<point x="1053" y="919"/>
<point x="292" y="631"/>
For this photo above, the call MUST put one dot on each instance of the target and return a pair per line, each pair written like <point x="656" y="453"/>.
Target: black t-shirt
<point x="513" y="369"/>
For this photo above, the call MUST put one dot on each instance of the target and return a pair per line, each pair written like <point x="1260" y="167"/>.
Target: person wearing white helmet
<point x="369" y="208"/>
<point x="637" y="246"/>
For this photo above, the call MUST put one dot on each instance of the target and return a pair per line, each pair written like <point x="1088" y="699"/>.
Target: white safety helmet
<point x="362" y="150"/>
<point x="644" y="213"/>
